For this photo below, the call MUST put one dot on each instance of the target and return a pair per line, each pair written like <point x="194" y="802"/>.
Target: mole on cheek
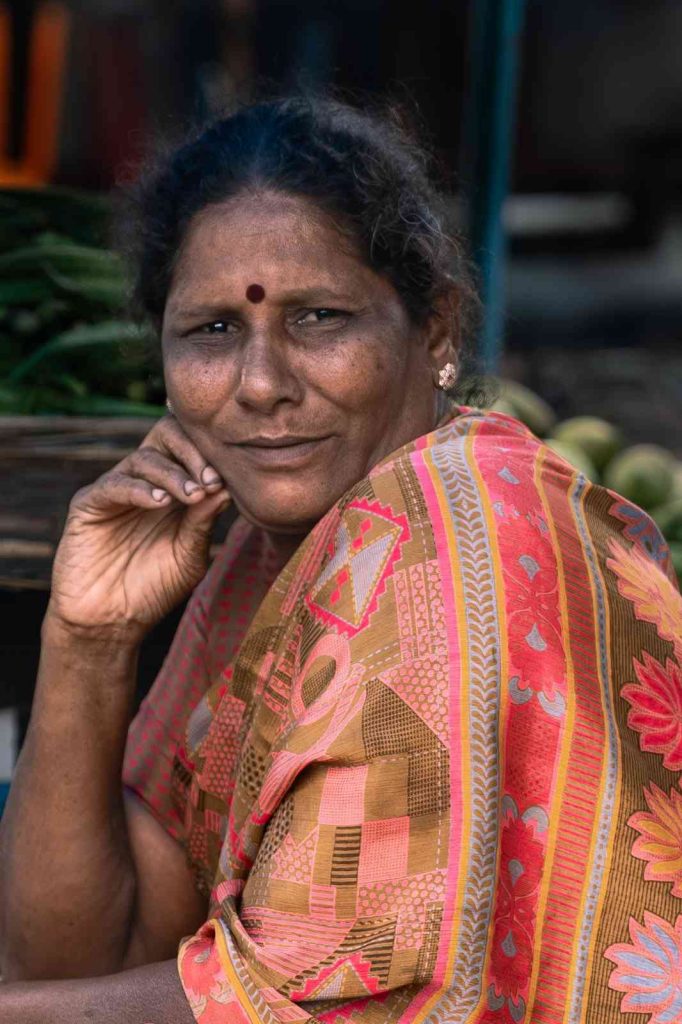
<point x="255" y="293"/>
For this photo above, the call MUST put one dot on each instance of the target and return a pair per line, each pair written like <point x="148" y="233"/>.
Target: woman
<point x="416" y="747"/>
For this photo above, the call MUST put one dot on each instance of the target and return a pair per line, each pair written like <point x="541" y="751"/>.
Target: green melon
<point x="528" y="407"/>
<point x="598" y="439"/>
<point x="502" y="405"/>
<point x="642" y="474"/>
<point x="576" y="456"/>
<point x="669" y="519"/>
<point x="677" y="480"/>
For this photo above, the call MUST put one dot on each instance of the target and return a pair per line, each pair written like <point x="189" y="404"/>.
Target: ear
<point x="442" y="328"/>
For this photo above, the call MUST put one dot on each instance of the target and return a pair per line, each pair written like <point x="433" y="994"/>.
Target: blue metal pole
<point x="488" y="146"/>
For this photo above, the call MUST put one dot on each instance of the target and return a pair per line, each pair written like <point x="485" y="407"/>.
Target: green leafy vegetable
<point x="66" y="345"/>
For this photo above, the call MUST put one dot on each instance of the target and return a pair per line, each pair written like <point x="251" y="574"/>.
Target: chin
<point x="289" y="506"/>
<point x="293" y="518"/>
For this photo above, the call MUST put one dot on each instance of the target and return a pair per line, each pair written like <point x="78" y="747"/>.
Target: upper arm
<point x="168" y="906"/>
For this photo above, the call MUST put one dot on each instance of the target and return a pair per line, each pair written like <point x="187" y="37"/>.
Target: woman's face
<point x="291" y="364"/>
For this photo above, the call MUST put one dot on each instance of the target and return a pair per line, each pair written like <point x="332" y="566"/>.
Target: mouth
<point x="280" y="450"/>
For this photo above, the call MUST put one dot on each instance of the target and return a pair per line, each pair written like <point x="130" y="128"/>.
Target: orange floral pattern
<point x="653" y="595"/>
<point x="648" y="969"/>
<point x="660" y="840"/>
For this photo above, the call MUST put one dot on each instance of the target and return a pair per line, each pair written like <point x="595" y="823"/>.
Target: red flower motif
<point x="512" y="958"/>
<point x="656" y="709"/>
<point x="534" y="626"/>
<point x="520" y="873"/>
<point x="521" y="865"/>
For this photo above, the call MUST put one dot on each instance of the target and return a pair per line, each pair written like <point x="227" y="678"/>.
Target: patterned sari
<point x="431" y="769"/>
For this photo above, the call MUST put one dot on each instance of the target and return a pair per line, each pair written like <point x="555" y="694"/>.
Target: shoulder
<point x="475" y="449"/>
<point x="485" y="472"/>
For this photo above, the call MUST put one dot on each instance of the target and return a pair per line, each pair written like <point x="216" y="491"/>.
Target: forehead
<point x="276" y="241"/>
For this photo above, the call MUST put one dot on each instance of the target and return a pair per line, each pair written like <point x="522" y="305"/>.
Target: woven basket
<point x="44" y="460"/>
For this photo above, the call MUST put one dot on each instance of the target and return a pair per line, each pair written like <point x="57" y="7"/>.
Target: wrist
<point x="58" y="632"/>
<point x="86" y="682"/>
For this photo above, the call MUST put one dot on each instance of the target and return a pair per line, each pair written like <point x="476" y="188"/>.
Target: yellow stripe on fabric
<point x="492" y="530"/>
<point x="566" y="736"/>
<point x="233" y="978"/>
<point x="602" y="787"/>
<point x="447" y="519"/>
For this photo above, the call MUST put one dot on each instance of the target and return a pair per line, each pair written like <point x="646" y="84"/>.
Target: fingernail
<point x="190" y="487"/>
<point x="158" y="494"/>
<point x="209" y="475"/>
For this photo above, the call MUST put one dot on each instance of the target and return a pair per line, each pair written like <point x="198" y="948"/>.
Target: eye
<point x="324" y="315"/>
<point x="215" y="327"/>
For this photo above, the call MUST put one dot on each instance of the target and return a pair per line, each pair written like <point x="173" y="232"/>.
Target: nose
<point x="267" y="377"/>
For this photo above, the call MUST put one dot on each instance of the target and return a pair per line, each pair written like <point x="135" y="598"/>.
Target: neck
<point x="283" y="545"/>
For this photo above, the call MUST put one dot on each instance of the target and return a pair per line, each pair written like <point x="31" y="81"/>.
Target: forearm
<point x="146" y="995"/>
<point x="67" y="883"/>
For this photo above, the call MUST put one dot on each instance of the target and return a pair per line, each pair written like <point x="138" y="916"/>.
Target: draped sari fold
<point x="430" y="770"/>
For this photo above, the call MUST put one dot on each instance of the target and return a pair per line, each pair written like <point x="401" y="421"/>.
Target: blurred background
<point x="559" y="130"/>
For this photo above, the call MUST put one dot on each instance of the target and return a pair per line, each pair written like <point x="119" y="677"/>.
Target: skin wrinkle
<point x="362" y="381"/>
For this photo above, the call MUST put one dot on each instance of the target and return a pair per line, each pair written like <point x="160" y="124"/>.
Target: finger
<point x="197" y="523"/>
<point x="170" y="438"/>
<point x="149" y="464"/>
<point x="118" y="490"/>
<point x="199" y="518"/>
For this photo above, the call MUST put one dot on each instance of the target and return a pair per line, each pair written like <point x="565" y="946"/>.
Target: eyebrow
<point x="304" y="296"/>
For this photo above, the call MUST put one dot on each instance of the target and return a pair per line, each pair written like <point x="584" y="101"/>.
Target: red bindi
<point x="255" y="293"/>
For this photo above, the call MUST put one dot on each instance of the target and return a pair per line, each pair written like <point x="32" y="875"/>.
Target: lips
<point x="285" y="441"/>
<point x="277" y="451"/>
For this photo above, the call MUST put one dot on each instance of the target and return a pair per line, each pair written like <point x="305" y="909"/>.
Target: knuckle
<point x="146" y="451"/>
<point x="114" y="478"/>
<point x="177" y="437"/>
<point x="169" y="427"/>
<point x="81" y="495"/>
<point x="144" y="455"/>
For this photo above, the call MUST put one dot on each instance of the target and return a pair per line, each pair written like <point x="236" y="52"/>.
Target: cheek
<point x="197" y="384"/>
<point x="352" y="384"/>
<point x="382" y="367"/>
<point x="370" y="359"/>
<point x="369" y="373"/>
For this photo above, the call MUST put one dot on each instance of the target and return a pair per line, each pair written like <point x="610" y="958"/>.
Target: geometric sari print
<point x="431" y="770"/>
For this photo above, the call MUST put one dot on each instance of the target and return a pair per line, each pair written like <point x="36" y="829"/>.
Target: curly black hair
<point x="366" y="167"/>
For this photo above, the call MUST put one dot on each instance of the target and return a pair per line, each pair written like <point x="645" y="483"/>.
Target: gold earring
<point x="447" y="377"/>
